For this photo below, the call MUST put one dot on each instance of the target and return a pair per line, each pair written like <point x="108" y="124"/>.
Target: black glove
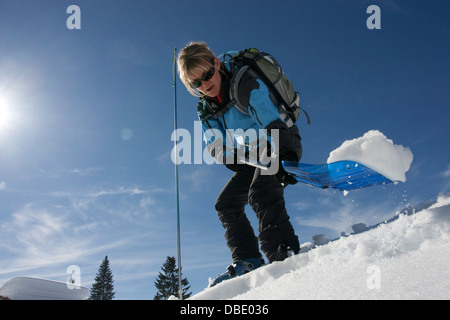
<point x="284" y="177"/>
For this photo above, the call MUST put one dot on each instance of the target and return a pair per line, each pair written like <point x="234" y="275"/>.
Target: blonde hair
<point x="195" y="57"/>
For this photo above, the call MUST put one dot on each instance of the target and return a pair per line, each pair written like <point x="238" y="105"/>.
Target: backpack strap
<point x="240" y="102"/>
<point x="205" y="111"/>
<point x="223" y="110"/>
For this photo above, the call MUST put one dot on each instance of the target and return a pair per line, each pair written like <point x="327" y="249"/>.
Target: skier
<point x="208" y="78"/>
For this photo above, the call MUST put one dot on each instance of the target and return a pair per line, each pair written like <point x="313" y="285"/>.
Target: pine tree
<point x="167" y="281"/>
<point x="103" y="287"/>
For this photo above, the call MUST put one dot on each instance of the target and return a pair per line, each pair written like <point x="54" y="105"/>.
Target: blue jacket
<point x="232" y="124"/>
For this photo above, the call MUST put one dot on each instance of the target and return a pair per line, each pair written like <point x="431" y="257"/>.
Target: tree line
<point x="166" y="283"/>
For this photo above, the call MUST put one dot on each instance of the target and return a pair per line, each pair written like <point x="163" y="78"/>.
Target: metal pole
<point x="180" y="289"/>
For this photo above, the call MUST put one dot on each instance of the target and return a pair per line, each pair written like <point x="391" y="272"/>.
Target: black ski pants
<point x="265" y="194"/>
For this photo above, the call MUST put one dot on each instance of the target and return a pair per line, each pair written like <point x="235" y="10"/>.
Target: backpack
<point x="266" y="67"/>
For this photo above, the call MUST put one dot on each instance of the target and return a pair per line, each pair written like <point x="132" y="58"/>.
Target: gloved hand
<point x="284" y="177"/>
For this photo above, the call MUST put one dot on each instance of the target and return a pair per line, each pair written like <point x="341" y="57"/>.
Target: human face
<point x="210" y="87"/>
<point x="206" y="76"/>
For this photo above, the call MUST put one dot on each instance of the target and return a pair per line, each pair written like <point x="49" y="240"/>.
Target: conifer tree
<point x="103" y="287"/>
<point x="167" y="281"/>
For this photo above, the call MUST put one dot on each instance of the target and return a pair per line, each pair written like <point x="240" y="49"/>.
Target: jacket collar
<point x="224" y="90"/>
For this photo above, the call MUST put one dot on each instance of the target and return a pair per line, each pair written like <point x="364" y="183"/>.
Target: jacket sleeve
<point x="265" y="112"/>
<point x="260" y="106"/>
<point x="218" y="143"/>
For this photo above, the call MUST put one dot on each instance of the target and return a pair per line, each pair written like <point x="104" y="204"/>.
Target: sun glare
<point x="5" y="114"/>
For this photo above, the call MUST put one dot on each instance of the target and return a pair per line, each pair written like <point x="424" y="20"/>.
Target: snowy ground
<point x="407" y="258"/>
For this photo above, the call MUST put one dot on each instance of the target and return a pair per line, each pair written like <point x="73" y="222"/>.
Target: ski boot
<point x="237" y="269"/>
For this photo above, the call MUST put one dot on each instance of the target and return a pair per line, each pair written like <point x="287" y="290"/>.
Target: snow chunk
<point x="377" y="152"/>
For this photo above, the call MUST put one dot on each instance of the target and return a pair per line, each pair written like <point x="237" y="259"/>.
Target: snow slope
<point x="407" y="258"/>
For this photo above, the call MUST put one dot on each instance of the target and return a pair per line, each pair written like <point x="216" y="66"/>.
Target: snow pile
<point x="30" y="288"/>
<point x="376" y="152"/>
<point x="404" y="259"/>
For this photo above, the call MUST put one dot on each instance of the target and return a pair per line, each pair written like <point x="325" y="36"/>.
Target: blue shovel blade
<point x="341" y="175"/>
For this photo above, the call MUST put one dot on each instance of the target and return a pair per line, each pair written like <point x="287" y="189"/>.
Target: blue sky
<point x="85" y="168"/>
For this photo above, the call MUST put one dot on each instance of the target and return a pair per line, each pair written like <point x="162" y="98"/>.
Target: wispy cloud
<point x="79" y="226"/>
<point x="35" y="237"/>
<point x="86" y="171"/>
<point x="446" y="183"/>
<point x="446" y="173"/>
<point x="132" y="203"/>
<point x="118" y="191"/>
<point x="2" y="185"/>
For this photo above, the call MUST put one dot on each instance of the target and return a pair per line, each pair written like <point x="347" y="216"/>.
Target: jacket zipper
<point x="255" y="114"/>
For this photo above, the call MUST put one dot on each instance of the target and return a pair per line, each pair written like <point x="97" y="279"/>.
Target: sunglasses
<point x="207" y="76"/>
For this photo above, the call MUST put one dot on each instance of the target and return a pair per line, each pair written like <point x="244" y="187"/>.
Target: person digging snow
<point x="208" y="78"/>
